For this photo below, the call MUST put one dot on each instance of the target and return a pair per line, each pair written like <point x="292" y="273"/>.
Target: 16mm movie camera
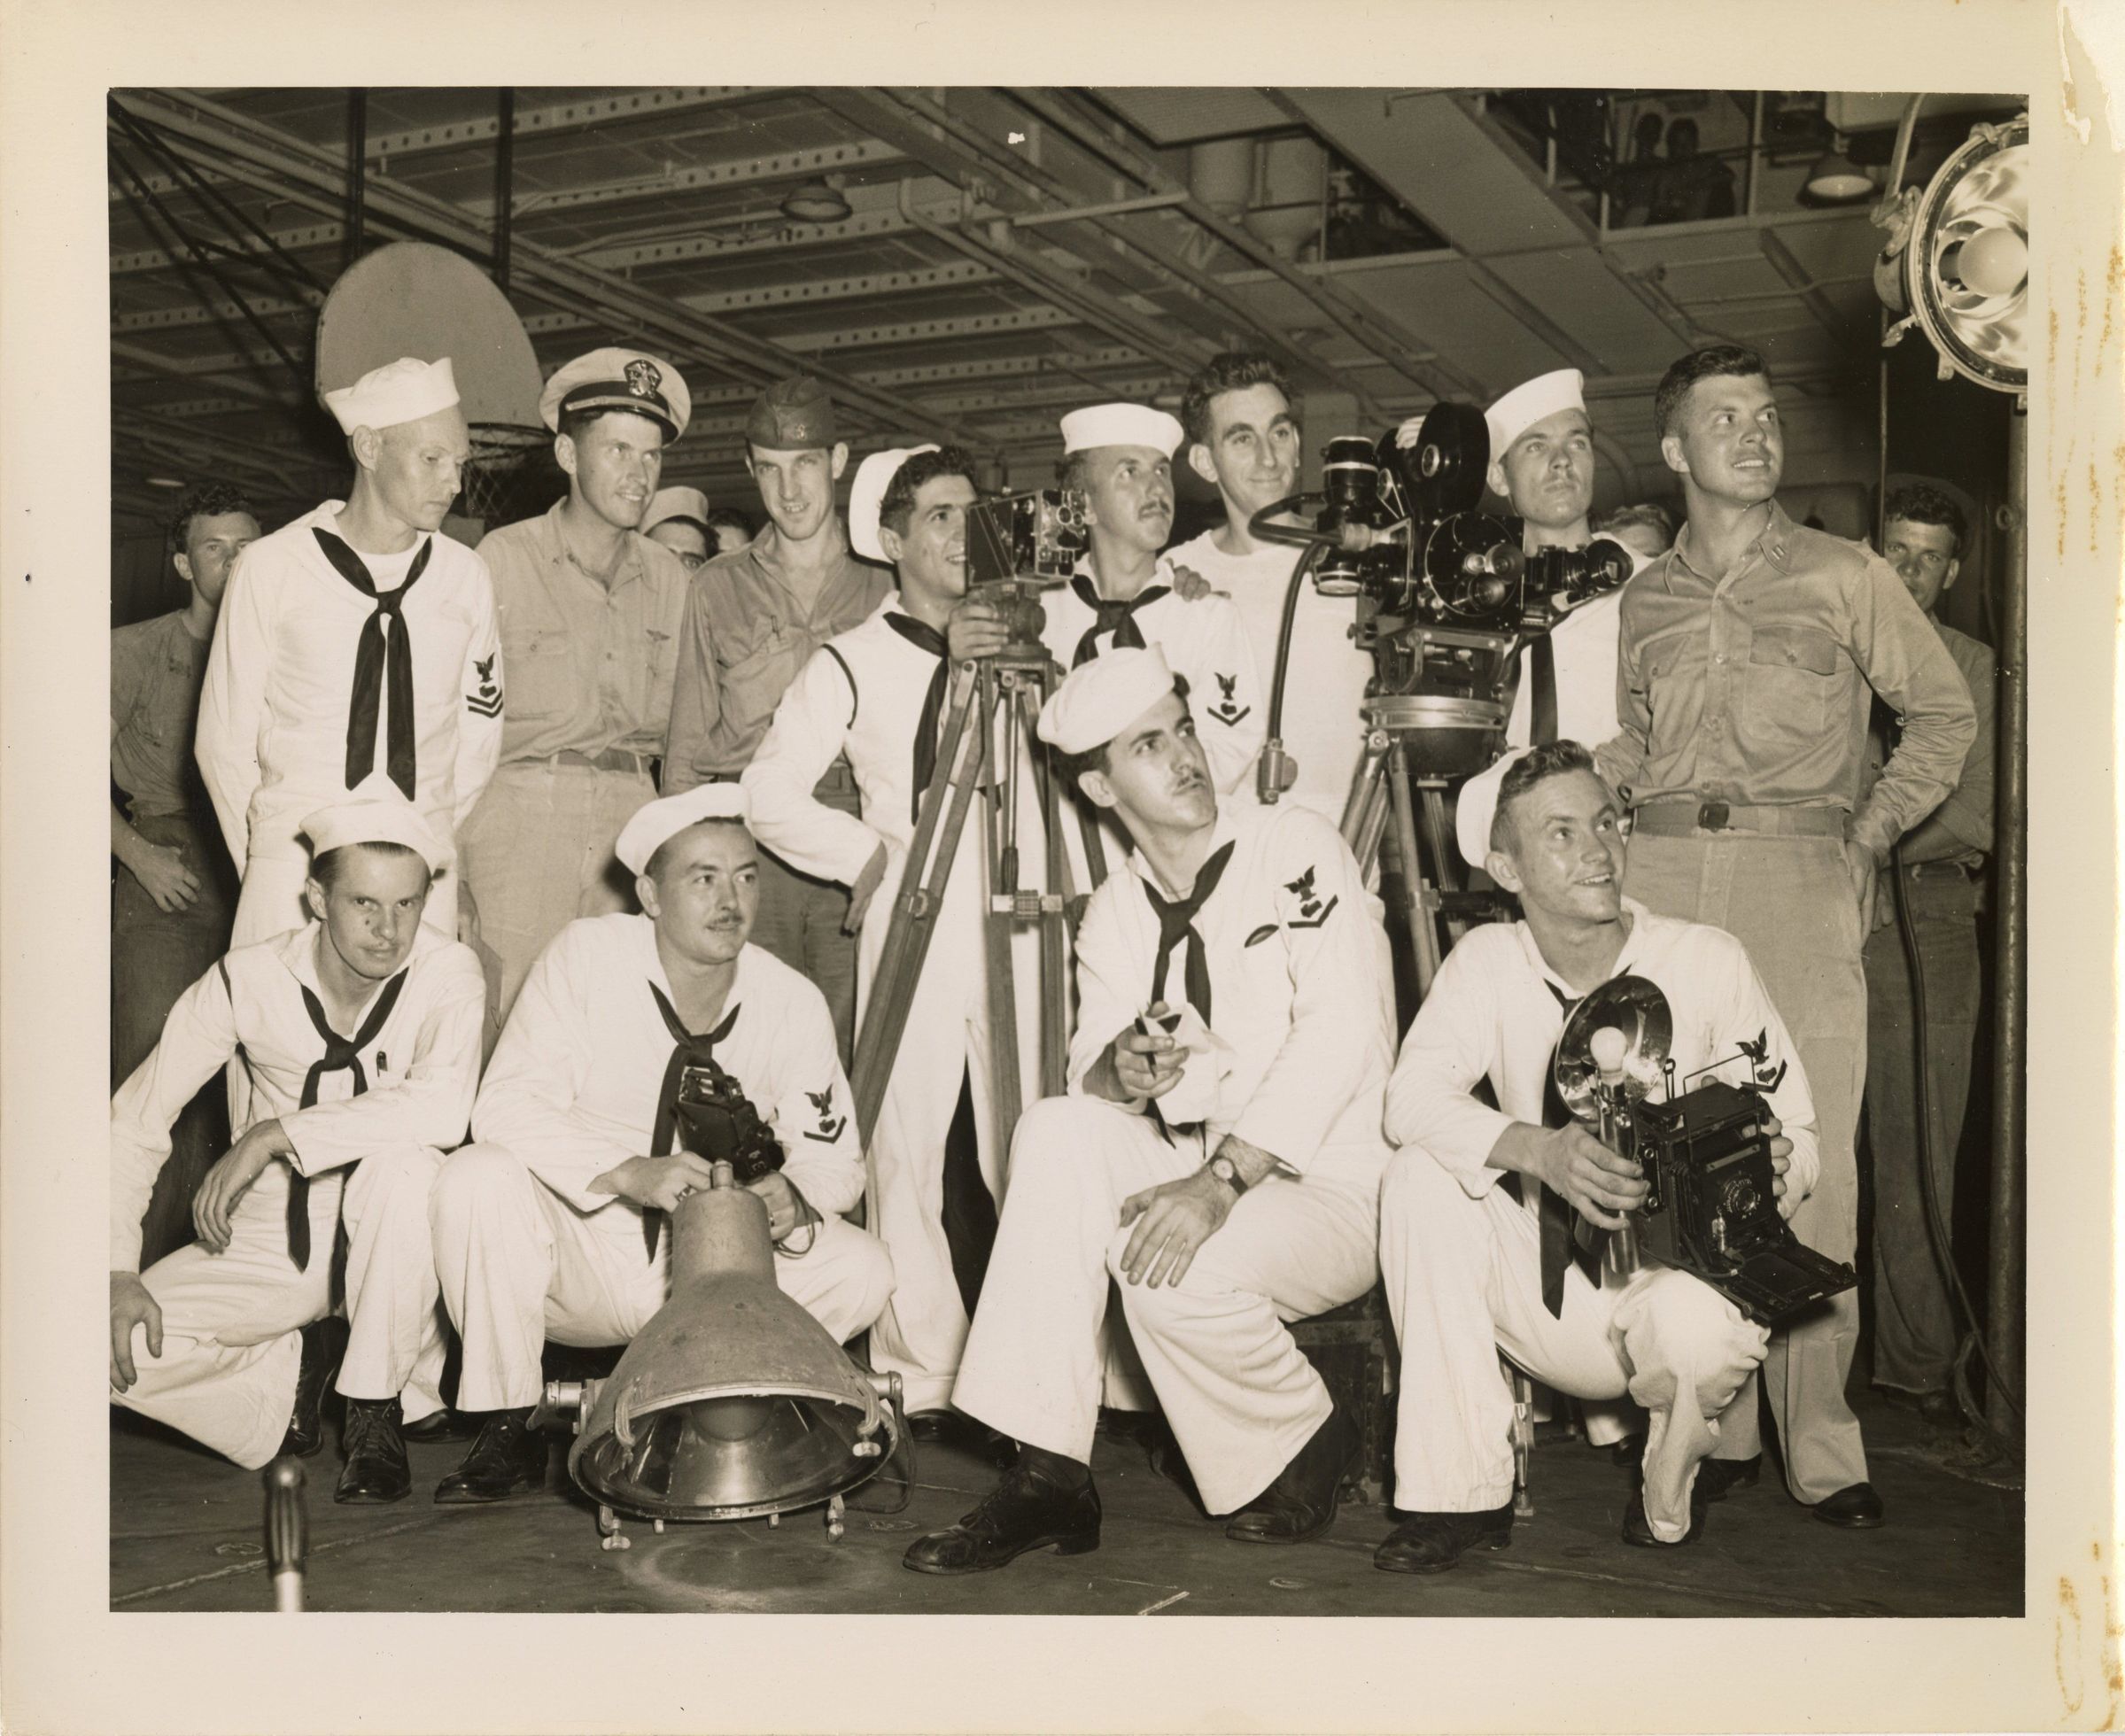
<point x="1711" y="1205"/>
<point x="1018" y="546"/>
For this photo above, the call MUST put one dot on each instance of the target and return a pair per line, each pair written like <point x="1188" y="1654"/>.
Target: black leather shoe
<point x="1432" y="1542"/>
<point x="1637" y="1529"/>
<point x="1301" y="1503"/>
<point x="376" y="1470"/>
<point x="447" y="1424"/>
<point x="1716" y="1476"/>
<point x="1854" y="1508"/>
<point x="1025" y="1511"/>
<point x="324" y="1343"/>
<point x="508" y="1454"/>
<point x="956" y="1428"/>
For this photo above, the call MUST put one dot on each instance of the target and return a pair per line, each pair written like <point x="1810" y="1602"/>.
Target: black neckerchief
<point x="688" y="1050"/>
<point x="342" y="1055"/>
<point x="373" y="656"/>
<point x="1118" y="614"/>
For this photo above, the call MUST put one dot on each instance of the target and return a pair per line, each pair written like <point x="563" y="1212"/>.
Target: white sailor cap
<point x="401" y="391"/>
<point x="1120" y="425"/>
<point x="374" y="812"/>
<point x="651" y="825"/>
<point x="1098" y="700"/>
<point x="1478" y="806"/>
<point x="675" y="502"/>
<point x="1525" y="404"/>
<point x="867" y="494"/>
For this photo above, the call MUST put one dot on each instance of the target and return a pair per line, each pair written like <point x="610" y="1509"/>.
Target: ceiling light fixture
<point x="163" y="482"/>
<point x="1836" y="179"/>
<point x="817" y="201"/>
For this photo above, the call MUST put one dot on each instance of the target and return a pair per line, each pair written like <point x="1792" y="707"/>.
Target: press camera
<point x="717" y="1120"/>
<point x="1711" y="1200"/>
<point x="1019" y="544"/>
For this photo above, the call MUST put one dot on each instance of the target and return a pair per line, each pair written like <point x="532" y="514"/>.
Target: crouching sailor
<point x="1225" y="1170"/>
<point x="553" y="1225"/>
<point x="1474" y="1268"/>
<point x="360" y="1036"/>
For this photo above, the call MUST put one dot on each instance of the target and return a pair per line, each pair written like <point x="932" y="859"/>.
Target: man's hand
<point x="467" y="914"/>
<point x="1860" y="863"/>
<point x="656" y="1183"/>
<point x="861" y="893"/>
<point x="213" y="1206"/>
<point x="787" y="1209"/>
<point x="160" y="868"/>
<point x="131" y="1306"/>
<point x="975" y="630"/>
<point x="1781" y="1160"/>
<point x="1600" y="1184"/>
<point x="1172" y="1222"/>
<point x="1135" y="1065"/>
<point x="1189" y="585"/>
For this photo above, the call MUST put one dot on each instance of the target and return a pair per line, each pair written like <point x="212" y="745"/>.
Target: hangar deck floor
<point x="186" y="1535"/>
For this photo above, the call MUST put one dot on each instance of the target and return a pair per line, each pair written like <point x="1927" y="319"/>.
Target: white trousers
<point x="232" y="1322"/>
<point x="1240" y="1395"/>
<point x="1464" y="1281"/>
<point x="519" y="1265"/>
<point x="948" y="1037"/>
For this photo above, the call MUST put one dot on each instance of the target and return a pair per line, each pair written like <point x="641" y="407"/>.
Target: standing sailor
<point x="1120" y="456"/>
<point x="879" y="695"/>
<point x="590" y="613"/>
<point x="352" y="641"/>
<point x="359" y="1033"/>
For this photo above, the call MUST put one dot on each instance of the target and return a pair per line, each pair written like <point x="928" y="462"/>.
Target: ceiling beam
<point x="579" y="116"/>
<point x="211" y="127"/>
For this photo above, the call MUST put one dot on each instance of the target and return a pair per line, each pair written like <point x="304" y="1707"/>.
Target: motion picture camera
<point x="1019" y="545"/>
<point x="717" y="1120"/>
<point x="1445" y="597"/>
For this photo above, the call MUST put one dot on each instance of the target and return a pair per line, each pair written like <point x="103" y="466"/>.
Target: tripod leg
<point x="1434" y="801"/>
<point x="1054" y="928"/>
<point x="1423" y="931"/>
<point x="999" y="791"/>
<point x="916" y="907"/>
<point x="1365" y="815"/>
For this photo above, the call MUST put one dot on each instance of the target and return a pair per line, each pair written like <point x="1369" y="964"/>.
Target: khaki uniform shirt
<point x="590" y="663"/>
<point x="1755" y="689"/>
<point x="157" y="668"/>
<point x="746" y="635"/>
<point x="1960" y="829"/>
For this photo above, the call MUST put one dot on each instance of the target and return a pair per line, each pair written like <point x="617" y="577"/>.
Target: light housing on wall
<point x="163" y="482"/>
<point x="1957" y="265"/>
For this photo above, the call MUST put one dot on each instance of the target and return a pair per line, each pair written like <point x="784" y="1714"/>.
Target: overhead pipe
<point x="1039" y="183"/>
<point x="1379" y="334"/>
<point x="357" y="170"/>
<point x="505" y="184"/>
<point x="215" y="127"/>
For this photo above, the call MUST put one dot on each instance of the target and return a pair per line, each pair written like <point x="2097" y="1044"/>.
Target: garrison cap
<point x="792" y="415"/>
<point x="618" y="379"/>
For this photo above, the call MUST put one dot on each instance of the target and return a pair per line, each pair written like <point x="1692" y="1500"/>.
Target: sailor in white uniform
<point x="355" y="640"/>
<point x="1223" y="1172"/>
<point x="553" y="1224"/>
<point x="880" y="694"/>
<point x="359" y="1033"/>
<point x="1470" y="1270"/>
<point x="1126" y="594"/>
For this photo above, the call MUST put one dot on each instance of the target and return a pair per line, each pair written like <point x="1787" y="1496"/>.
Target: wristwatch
<point x="1227" y="1172"/>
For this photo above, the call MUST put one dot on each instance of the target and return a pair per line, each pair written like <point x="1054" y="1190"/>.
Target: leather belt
<point x="1686" y="820"/>
<point x="613" y="759"/>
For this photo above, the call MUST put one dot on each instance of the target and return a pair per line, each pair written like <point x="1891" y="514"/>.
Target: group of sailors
<point x="523" y="832"/>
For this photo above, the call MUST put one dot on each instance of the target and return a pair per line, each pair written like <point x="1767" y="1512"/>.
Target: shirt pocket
<point x="1792" y="677"/>
<point x="541" y="674"/>
<point x="1670" y="684"/>
<point x="755" y="670"/>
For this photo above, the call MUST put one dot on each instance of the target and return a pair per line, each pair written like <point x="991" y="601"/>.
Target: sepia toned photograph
<point x="1195" y="850"/>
